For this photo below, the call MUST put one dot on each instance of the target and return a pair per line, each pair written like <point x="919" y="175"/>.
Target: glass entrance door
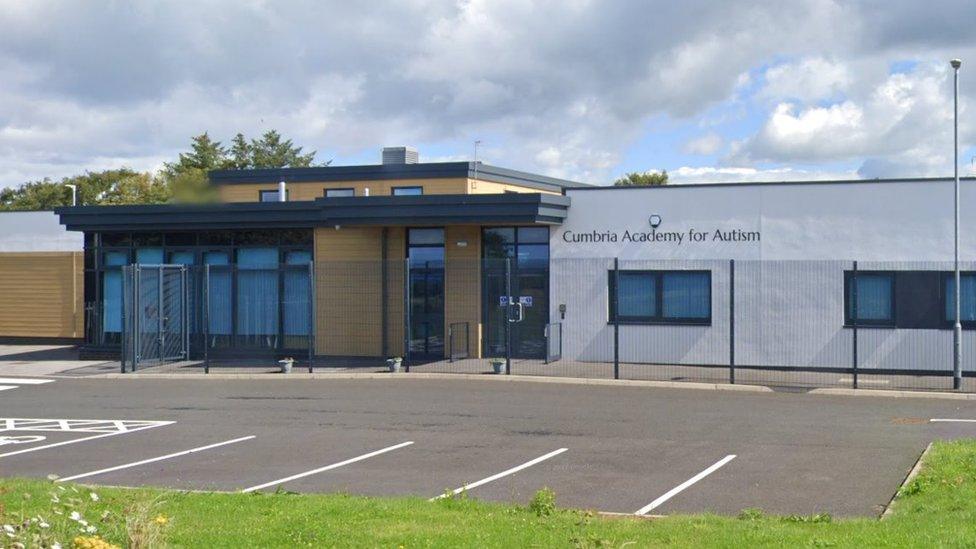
<point x="425" y="251"/>
<point x="528" y="250"/>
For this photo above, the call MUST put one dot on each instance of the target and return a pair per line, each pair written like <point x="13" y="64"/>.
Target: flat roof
<point x="439" y="209"/>
<point x="375" y="172"/>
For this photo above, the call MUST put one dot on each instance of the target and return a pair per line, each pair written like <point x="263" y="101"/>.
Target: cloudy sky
<point x="710" y="91"/>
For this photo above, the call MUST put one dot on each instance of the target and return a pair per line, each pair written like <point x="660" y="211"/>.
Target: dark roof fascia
<point x="384" y="172"/>
<point x="527" y="208"/>
<point x="772" y="183"/>
<point x="484" y="209"/>
<point x="191" y="216"/>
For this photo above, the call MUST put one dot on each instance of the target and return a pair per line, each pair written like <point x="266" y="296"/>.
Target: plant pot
<point x="394" y="364"/>
<point x="286" y="366"/>
<point x="498" y="366"/>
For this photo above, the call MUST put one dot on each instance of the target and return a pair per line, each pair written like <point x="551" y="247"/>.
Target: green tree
<point x="205" y="154"/>
<point x="240" y="153"/>
<point x="109" y="186"/>
<point x="271" y="151"/>
<point x="138" y="188"/>
<point x="642" y="179"/>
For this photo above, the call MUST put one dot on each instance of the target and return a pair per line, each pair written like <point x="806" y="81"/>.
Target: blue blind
<point x="637" y="295"/>
<point x="182" y="258"/>
<point x="967" y="301"/>
<point x="874" y="297"/>
<point x="219" y="292"/>
<point x="295" y="305"/>
<point x="149" y="256"/>
<point x="686" y="295"/>
<point x="112" y="291"/>
<point x="257" y="292"/>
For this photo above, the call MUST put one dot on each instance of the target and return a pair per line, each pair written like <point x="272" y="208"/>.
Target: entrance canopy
<point x="444" y="209"/>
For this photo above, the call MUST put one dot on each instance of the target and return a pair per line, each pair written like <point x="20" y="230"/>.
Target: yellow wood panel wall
<point x="42" y="294"/>
<point x="462" y="283"/>
<point x="312" y="190"/>
<point x="477" y="186"/>
<point x="349" y="291"/>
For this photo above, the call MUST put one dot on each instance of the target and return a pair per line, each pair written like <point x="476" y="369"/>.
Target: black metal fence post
<point x="508" y="316"/>
<point x="311" y="317"/>
<point x="206" y="318"/>
<point x="406" y="314"/>
<point x="732" y="321"/>
<point x="616" y="314"/>
<point x="854" y="324"/>
<point x="136" y="317"/>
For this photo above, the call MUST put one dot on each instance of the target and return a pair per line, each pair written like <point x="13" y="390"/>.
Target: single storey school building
<point x="466" y="261"/>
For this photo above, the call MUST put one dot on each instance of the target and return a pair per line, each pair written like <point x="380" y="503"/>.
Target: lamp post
<point x="957" y="327"/>
<point x="74" y="194"/>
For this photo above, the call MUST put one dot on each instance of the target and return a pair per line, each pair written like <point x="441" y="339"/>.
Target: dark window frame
<point x="658" y="318"/>
<point x="275" y="191"/>
<point x="944" y="295"/>
<point x="871" y="323"/>
<point x="325" y="193"/>
<point x="393" y="190"/>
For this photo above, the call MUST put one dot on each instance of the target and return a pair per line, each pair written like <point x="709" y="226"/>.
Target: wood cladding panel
<point x="41" y="294"/>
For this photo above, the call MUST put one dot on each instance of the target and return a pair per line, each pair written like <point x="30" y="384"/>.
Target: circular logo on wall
<point x="655" y="221"/>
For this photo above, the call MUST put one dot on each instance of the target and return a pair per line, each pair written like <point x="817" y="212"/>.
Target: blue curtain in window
<point x="257" y="293"/>
<point x="686" y="295"/>
<point x="188" y="258"/>
<point x="149" y="256"/>
<point x="112" y="291"/>
<point x="636" y="295"/>
<point x="219" y="292"/>
<point x="874" y="294"/>
<point x="967" y="301"/>
<point x="294" y="306"/>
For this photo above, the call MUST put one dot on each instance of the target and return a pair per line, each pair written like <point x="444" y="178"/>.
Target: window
<point x="336" y="193"/>
<point x="270" y="196"/>
<point x="874" y="294"/>
<point x="662" y="297"/>
<point x="408" y="191"/>
<point x="967" y="301"/>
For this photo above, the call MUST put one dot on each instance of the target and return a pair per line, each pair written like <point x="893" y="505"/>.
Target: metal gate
<point x="155" y="315"/>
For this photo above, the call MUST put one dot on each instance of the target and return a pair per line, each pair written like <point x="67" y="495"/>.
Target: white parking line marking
<point x="328" y="467"/>
<point x="5" y="387"/>
<point x="950" y="420"/>
<point x="505" y="473"/>
<point x="155" y="459"/>
<point x="24" y="381"/>
<point x="681" y="487"/>
<point x="62" y="443"/>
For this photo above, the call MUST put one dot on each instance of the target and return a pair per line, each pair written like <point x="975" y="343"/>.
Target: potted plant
<point x="286" y="364"/>
<point x="394" y="364"/>
<point x="498" y="365"/>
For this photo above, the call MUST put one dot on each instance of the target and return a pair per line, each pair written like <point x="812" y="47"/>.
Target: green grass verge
<point x="937" y="509"/>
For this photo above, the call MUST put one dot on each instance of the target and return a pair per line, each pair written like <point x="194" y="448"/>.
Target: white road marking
<point x="505" y="473"/>
<point x="5" y="387"/>
<point x="155" y="459"/>
<point x="328" y="467"/>
<point x="63" y="443"/>
<point x="681" y="487"/>
<point x="950" y="420"/>
<point x="24" y="381"/>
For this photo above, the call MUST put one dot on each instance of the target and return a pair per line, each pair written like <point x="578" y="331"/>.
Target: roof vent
<point x="400" y="155"/>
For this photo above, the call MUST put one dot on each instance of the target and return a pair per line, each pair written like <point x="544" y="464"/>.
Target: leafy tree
<point x="240" y="154"/>
<point x="109" y="186"/>
<point x="205" y="154"/>
<point x="271" y="151"/>
<point x="191" y="186"/>
<point x="138" y="188"/>
<point x="642" y="179"/>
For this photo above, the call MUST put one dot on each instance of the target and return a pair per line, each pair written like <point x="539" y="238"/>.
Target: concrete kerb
<point x="919" y="463"/>
<point x="541" y="379"/>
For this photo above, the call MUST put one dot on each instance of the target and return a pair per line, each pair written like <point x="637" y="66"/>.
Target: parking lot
<point x="617" y="449"/>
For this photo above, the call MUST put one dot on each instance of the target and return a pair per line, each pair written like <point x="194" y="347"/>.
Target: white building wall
<point x="789" y="285"/>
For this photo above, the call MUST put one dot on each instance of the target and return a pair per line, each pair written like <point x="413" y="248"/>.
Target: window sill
<point x="871" y="326"/>
<point x="692" y="323"/>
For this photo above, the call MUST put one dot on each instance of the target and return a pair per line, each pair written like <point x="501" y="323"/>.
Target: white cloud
<point x="708" y="144"/>
<point x="686" y="175"/>
<point x="807" y="80"/>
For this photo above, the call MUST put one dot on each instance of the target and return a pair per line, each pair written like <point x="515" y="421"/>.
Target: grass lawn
<point x="937" y="509"/>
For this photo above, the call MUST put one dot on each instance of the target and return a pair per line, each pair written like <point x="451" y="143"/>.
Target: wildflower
<point x="75" y="515"/>
<point x="94" y="496"/>
<point x="161" y="519"/>
<point x="56" y="545"/>
<point x="44" y="524"/>
<point x="91" y="529"/>
<point x="8" y="528"/>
